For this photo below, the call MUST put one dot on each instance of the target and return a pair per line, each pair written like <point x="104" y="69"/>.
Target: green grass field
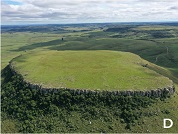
<point x="109" y="70"/>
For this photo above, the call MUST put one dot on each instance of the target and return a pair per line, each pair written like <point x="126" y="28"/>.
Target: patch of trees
<point x="159" y="33"/>
<point x="34" y="108"/>
<point x="128" y="31"/>
<point x="122" y="29"/>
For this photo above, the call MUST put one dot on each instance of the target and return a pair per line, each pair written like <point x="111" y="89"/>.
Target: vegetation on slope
<point x="36" y="111"/>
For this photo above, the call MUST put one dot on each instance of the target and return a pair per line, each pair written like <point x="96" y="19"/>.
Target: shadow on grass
<point x="41" y="44"/>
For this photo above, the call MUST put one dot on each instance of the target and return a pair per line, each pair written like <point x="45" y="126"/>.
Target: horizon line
<point x="89" y="23"/>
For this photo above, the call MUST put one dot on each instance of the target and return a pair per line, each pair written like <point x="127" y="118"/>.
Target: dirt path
<point x="167" y="52"/>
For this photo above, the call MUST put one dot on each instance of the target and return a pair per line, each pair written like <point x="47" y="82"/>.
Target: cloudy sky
<point x="84" y="11"/>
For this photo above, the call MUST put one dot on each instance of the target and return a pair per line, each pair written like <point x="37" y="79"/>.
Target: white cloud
<point x="68" y="11"/>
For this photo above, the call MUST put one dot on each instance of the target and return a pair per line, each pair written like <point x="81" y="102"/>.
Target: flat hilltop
<point x="99" y="69"/>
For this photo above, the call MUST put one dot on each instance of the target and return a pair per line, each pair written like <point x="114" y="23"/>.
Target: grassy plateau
<point x="102" y="69"/>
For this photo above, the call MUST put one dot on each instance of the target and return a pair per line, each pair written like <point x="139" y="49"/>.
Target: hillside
<point x="102" y="70"/>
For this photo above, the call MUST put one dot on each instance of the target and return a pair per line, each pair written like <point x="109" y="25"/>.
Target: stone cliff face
<point x="150" y="93"/>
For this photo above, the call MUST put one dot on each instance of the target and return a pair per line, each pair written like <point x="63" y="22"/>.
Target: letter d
<point x="164" y="123"/>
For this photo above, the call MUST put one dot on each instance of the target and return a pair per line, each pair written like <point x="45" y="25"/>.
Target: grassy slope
<point x="109" y="70"/>
<point x="12" y="44"/>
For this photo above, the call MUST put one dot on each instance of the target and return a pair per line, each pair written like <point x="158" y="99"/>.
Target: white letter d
<point x="164" y="123"/>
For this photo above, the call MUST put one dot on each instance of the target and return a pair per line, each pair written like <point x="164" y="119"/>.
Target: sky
<point x="87" y="11"/>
